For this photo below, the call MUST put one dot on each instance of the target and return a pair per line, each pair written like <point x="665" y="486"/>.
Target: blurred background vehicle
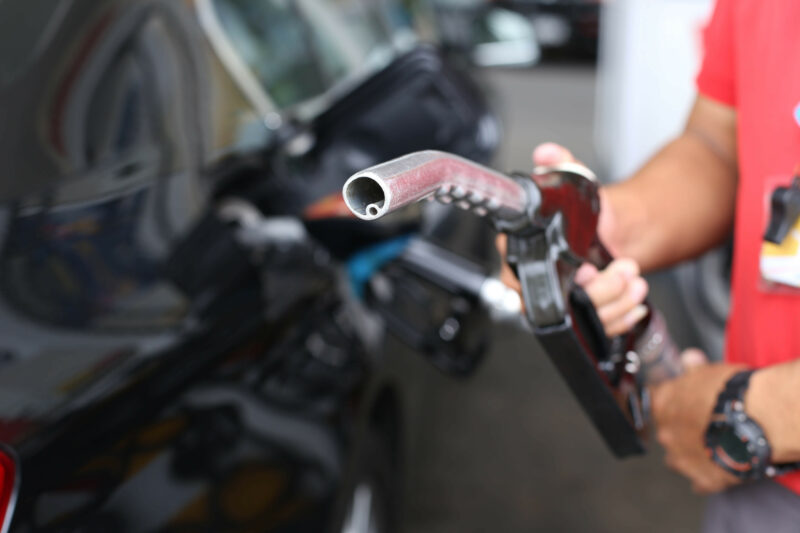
<point x="570" y="26"/>
<point x="516" y="32"/>
<point x="483" y="33"/>
<point x="191" y="336"/>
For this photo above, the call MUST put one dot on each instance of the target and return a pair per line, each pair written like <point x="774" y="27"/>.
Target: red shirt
<point x="752" y="63"/>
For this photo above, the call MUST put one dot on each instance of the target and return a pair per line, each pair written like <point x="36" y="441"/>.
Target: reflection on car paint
<point x="159" y="370"/>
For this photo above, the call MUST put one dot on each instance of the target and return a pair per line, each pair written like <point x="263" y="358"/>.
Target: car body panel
<point x="159" y="371"/>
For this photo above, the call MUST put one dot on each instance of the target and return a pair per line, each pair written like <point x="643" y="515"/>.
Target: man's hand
<point x="681" y="409"/>
<point x="618" y="291"/>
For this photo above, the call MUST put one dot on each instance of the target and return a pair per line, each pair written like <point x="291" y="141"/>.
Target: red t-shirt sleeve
<point x="717" y="76"/>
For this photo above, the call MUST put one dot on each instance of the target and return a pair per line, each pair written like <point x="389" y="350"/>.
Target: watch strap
<point x="734" y="391"/>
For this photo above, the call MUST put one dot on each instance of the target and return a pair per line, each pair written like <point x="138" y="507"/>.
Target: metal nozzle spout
<point x="383" y="188"/>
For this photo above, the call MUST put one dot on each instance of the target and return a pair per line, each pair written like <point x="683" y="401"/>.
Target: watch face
<point x="737" y="444"/>
<point x="735" y="441"/>
<point x="732" y="445"/>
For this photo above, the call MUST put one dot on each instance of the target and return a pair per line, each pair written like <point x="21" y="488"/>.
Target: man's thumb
<point x="551" y="154"/>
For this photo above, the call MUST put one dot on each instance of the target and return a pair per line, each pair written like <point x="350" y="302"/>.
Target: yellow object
<point x="780" y="263"/>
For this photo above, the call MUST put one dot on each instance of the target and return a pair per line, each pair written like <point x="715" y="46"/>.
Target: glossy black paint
<point x="161" y="370"/>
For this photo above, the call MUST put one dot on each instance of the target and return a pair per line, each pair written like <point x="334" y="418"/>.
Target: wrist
<point x="772" y="400"/>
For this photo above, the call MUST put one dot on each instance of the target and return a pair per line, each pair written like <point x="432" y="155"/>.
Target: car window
<point x="347" y="34"/>
<point x="272" y="40"/>
<point x="300" y="49"/>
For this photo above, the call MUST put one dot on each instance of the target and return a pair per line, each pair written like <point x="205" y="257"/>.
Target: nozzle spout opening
<point x="366" y="197"/>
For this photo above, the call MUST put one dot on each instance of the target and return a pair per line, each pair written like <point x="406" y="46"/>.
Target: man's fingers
<point x="704" y="488"/>
<point x="693" y="359"/>
<point x="605" y="288"/>
<point x="617" y="292"/>
<point x="551" y="154"/>
<point x="586" y="273"/>
<point x="713" y="481"/>
<point x="501" y="242"/>
<point x="612" y="282"/>
<point x="627" y="306"/>
<point x="626" y="323"/>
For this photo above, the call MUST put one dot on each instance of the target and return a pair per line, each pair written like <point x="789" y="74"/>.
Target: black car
<point x="571" y="25"/>
<point x="192" y="337"/>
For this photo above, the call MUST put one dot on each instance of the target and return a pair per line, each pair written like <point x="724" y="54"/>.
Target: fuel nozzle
<point x="784" y="212"/>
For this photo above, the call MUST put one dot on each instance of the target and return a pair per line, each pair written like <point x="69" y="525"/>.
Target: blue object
<point x="362" y="265"/>
<point x="797" y="114"/>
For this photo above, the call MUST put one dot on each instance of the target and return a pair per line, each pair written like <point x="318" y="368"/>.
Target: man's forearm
<point x="682" y="202"/>
<point x="773" y="400"/>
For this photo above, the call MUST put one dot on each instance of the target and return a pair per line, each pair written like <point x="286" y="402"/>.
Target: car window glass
<point x="300" y="49"/>
<point x="398" y="14"/>
<point x="349" y="35"/>
<point x="272" y="40"/>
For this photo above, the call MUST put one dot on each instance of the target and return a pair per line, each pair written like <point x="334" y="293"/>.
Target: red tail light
<point x="9" y="482"/>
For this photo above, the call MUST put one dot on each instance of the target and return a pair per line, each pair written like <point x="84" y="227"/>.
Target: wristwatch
<point x="735" y="441"/>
